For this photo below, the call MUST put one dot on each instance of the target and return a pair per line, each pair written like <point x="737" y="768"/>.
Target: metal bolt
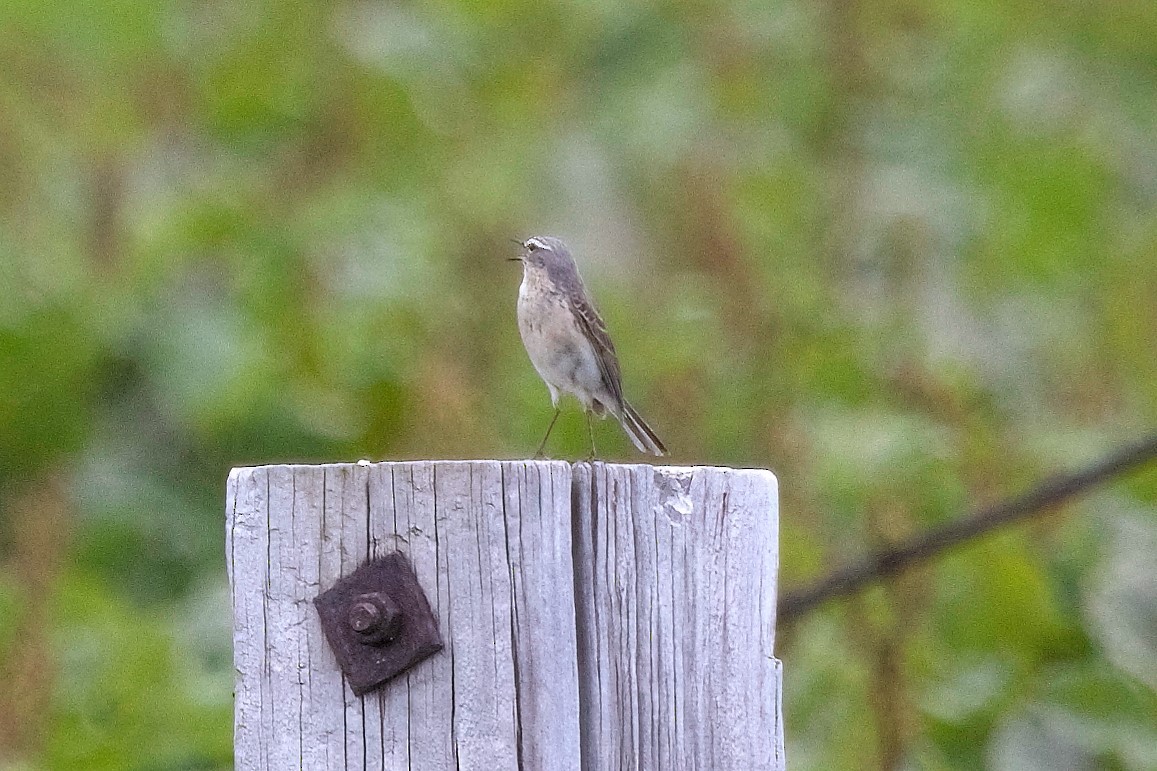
<point x="375" y="618"/>
<point x="365" y="617"/>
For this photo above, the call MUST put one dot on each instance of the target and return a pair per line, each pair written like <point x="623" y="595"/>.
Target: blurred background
<point x="902" y="252"/>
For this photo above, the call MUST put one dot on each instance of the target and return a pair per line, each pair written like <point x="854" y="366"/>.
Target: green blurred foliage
<point x="903" y="252"/>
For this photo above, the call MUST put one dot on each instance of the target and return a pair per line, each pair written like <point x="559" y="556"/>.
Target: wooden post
<point x="676" y="583"/>
<point x="595" y="617"/>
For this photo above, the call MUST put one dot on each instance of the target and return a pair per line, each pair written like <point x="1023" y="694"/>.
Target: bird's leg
<point x="539" y="454"/>
<point x="591" y="431"/>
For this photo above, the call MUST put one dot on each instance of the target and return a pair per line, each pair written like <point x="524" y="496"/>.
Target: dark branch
<point x="1049" y="494"/>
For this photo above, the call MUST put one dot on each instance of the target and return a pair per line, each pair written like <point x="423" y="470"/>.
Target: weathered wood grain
<point x="490" y="543"/>
<point x="676" y="617"/>
<point x="601" y="617"/>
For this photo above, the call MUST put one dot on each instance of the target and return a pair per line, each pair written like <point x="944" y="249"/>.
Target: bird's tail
<point x="639" y="432"/>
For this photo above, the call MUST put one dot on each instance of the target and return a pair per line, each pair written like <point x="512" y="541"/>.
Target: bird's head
<point x="543" y="251"/>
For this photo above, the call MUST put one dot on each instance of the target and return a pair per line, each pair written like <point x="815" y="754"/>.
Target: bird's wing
<point x="595" y="331"/>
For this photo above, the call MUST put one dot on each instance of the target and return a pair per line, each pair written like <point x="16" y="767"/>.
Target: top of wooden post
<point x="527" y="461"/>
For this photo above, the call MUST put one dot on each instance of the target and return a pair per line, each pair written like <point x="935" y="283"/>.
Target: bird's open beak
<point x="522" y="245"/>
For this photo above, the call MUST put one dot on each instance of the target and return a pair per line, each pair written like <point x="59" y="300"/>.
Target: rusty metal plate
<point x="378" y="622"/>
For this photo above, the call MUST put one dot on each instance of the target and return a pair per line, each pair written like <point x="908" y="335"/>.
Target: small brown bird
<point x="568" y="343"/>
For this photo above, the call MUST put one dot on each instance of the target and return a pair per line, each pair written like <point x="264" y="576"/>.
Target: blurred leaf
<point x="138" y="690"/>
<point x="45" y="383"/>
<point x="1034" y="742"/>
<point x="1122" y="600"/>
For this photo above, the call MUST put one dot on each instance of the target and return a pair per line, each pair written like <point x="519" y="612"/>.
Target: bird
<point x="568" y="344"/>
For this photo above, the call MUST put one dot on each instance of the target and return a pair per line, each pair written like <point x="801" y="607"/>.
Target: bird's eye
<point x="534" y="244"/>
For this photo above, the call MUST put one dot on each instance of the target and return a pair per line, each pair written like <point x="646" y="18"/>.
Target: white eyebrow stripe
<point x="533" y="242"/>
